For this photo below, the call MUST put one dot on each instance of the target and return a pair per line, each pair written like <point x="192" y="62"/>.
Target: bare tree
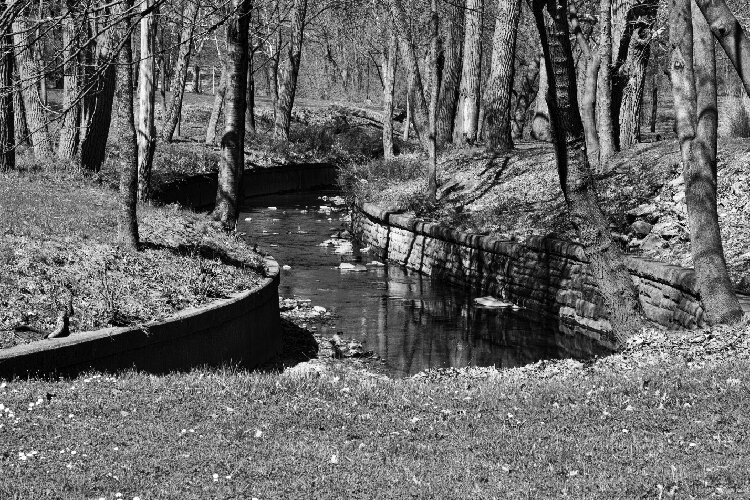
<point x="7" y="135"/>
<point x="434" y="83"/>
<point x="288" y="83"/>
<point x="499" y="86"/>
<point x="452" y="63"/>
<point x="540" y="123"/>
<point x="697" y="136"/>
<point x="146" y="99"/>
<point x="390" y="58"/>
<point x="232" y="160"/>
<point x="213" y="121"/>
<point x="471" y="74"/>
<point x="67" y="146"/>
<point x="607" y="264"/>
<point x="604" y="121"/>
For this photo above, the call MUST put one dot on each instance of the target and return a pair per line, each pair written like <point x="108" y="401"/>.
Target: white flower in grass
<point x="334" y="459"/>
<point x="216" y="477"/>
<point x="258" y="433"/>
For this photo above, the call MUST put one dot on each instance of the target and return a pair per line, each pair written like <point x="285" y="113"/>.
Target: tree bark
<point x="7" y="135"/>
<point x="408" y="119"/>
<point x="30" y="74"/>
<point x="540" y="124"/>
<point x="471" y="74"/>
<point x="697" y="138"/>
<point x="524" y="97"/>
<point x="588" y="110"/>
<point x="654" y="101"/>
<point x="232" y="160"/>
<point x="20" y="129"/>
<point x="100" y="90"/>
<point x="146" y="97"/>
<point x="250" y="112"/>
<point x="733" y="39"/>
<point x="604" y="121"/>
<point x="174" y="112"/>
<point x="213" y="122"/>
<point x="288" y="84"/>
<point x="67" y="146"/>
<point x="500" y="83"/>
<point x="434" y="83"/>
<point x="127" y="219"/>
<point x="613" y="279"/>
<point x="417" y="102"/>
<point x="390" y="55"/>
<point x="450" y="84"/>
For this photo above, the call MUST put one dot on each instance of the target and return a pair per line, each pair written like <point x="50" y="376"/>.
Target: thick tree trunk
<point x="604" y="121"/>
<point x="606" y="260"/>
<point x="733" y="39"/>
<point x="174" y="111"/>
<point x="7" y="135"/>
<point x="20" y="129"/>
<point x="100" y="90"/>
<point x="232" y="161"/>
<point x="471" y="74"/>
<point x="30" y="74"/>
<point x="417" y="102"/>
<point x="697" y="144"/>
<point x="588" y="110"/>
<point x="450" y="84"/>
<point x="390" y="57"/>
<point x="434" y="83"/>
<point x="213" y="122"/>
<point x="524" y="98"/>
<point x="500" y="83"/>
<point x="127" y="219"/>
<point x="146" y="97"/>
<point x="67" y="147"/>
<point x="540" y="124"/>
<point x="197" y="79"/>
<point x="288" y="85"/>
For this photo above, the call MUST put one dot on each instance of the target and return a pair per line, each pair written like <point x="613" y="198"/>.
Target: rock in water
<point x="491" y="302"/>
<point x="347" y="266"/>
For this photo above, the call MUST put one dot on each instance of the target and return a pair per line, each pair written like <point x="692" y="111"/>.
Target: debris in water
<point x="490" y="301"/>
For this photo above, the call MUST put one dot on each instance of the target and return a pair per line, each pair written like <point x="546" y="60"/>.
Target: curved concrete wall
<point x="199" y="191"/>
<point x="542" y="274"/>
<point x="243" y="330"/>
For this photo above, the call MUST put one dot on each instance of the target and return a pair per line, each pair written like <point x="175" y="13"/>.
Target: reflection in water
<point x="412" y="321"/>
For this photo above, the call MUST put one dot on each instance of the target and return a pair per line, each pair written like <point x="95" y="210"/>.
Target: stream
<point x="413" y="322"/>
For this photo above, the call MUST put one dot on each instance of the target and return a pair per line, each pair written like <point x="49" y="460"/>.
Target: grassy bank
<point x="645" y="424"/>
<point x="60" y="241"/>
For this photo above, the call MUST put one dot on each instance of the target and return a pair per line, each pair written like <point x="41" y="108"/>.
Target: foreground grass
<point x="659" y="430"/>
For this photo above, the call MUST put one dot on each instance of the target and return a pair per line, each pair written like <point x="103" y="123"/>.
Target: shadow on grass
<point x="297" y="346"/>
<point x="204" y="251"/>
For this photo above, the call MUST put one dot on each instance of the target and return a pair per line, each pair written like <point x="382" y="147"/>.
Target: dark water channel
<point x="412" y="321"/>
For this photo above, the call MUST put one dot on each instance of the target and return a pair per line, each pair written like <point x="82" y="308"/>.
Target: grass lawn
<point x="658" y="428"/>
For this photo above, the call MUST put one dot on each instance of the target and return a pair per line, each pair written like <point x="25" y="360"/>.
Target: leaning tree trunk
<point x="524" y="97"/>
<point x="127" y="220"/>
<point x="540" y="124"/>
<point x="471" y="74"/>
<point x="733" y="39"/>
<point x="450" y="84"/>
<point x="101" y="91"/>
<point x="695" y="112"/>
<point x="390" y="55"/>
<point x="606" y="260"/>
<point x="174" y="112"/>
<point x="417" y="103"/>
<point x="232" y="160"/>
<point x="7" y="135"/>
<point x="213" y="121"/>
<point x="67" y="147"/>
<point x="604" y="121"/>
<point x="500" y="83"/>
<point x="30" y="73"/>
<point x="288" y="85"/>
<point x="146" y="97"/>
<point x="588" y="110"/>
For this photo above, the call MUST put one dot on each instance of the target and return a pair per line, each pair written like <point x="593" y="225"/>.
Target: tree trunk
<point x="20" y="129"/>
<point x="7" y="135"/>
<point x="232" y="160"/>
<point x="500" y="83"/>
<point x="30" y="73"/>
<point x="288" y="85"/>
<point x="390" y="55"/>
<point x="524" y="97"/>
<point x="654" y="101"/>
<point x="540" y="124"/>
<point x="697" y="135"/>
<point x="197" y="79"/>
<point x="67" y="147"/>
<point x="127" y="219"/>
<point x="450" y="84"/>
<point x="607" y="264"/>
<point x="146" y="98"/>
<point x="408" y="119"/>
<point x="730" y="35"/>
<point x="434" y="83"/>
<point x="174" y="112"/>
<point x="604" y="121"/>
<point x="471" y="74"/>
<point x="101" y="91"/>
<point x="588" y="110"/>
<point x="250" y="112"/>
<point x="417" y="102"/>
<point x="213" y="122"/>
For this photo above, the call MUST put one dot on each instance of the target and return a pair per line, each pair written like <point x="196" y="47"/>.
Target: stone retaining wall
<point x="541" y="274"/>
<point x="243" y="330"/>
